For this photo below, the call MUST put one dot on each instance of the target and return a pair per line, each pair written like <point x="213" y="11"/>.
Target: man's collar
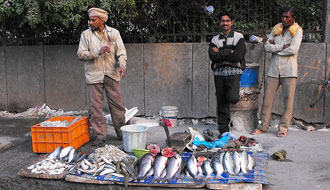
<point x="230" y="34"/>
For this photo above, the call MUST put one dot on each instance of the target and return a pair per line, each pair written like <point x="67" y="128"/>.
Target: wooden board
<point x="235" y="186"/>
<point x="24" y="172"/>
<point x="180" y="139"/>
<point x="78" y="179"/>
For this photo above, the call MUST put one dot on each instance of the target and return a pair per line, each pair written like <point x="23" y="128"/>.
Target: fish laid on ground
<point x="146" y="163"/>
<point x="178" y="174"/>
<point x="80" y="157"/>
<point x="72" y="155"/>
<point x="192" y="167"/>
<point x="229" y="163"/>
<point x="251" y="163"/>
<point x="172" y="167"/>
<point x="107" y="171"/>
<point x="237" y="160"/>
<point x="217" y="167"/>
<point x="244" y="161"/>
<point x="208" y="169"/>
<point x="222" y="159"/>
<point x="55" y="154"/>
<point x="65" y="152"/>
<point x="149" y="174"/>
<point x="159" y="166"/>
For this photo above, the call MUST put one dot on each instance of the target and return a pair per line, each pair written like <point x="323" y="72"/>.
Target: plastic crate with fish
<point x="60" y="131"/>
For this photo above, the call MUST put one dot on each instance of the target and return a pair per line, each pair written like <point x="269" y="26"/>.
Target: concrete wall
<point x="157" y="75"/>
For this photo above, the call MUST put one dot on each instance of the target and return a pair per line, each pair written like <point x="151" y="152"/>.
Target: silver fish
<point x="80" y="157"/>
<point x="159" y="166"/>
<point x="55" y="154"/>
<point x="146" y="163"/>
<point x="251" y="163"/>
<point x="237" y="160"/>
<point x="107" y="171"/>
<point x="217" y="167"/>
<point x="178" y="175"/>
<point x="244" y="161"/>
<point x="229" y="163"/>
<point x="65" y="152"/>
<point x="208" y="169"/>
<point x="71" y="155"/>
<point x="172" y="167"/>
<point x="192" y="166"/>
<point x="221" y="160"/>
<point x="149" y="173"/>
<point x="162" y="176"/>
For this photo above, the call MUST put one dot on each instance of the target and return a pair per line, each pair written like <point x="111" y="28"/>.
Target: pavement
<point x="307" y="167"/>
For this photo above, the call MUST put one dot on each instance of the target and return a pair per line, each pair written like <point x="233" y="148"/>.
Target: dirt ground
<point x="307" y="167"/>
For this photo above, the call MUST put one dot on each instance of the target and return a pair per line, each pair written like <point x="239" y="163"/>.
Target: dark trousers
<point x="227" y="92"/>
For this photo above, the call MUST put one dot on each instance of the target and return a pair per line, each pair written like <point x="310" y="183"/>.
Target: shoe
<point x="98" y="142"/>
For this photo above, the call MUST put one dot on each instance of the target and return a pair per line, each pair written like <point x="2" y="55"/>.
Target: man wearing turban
<point x="102" y="50"/>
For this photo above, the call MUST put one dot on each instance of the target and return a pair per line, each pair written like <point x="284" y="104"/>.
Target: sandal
<point x="257" y="132"/>
<point x="282" y="133"/>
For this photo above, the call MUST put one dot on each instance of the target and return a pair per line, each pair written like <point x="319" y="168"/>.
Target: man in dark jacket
<point x="227" y="51"/>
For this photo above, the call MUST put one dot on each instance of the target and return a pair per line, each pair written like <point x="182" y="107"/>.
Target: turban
<point x="102" y="14"/>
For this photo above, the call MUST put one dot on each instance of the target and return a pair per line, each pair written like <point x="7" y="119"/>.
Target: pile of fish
<point x="165" y="169"/>
<point x="57" y="161"/>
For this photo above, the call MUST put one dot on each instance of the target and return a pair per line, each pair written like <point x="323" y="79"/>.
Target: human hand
<point x="215" y="49"/>
<point x="122" y="72"/>
<point x="104" y="49"/>
<point x="286" y="46"/>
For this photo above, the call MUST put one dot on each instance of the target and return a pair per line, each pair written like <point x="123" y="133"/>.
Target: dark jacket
<point x="225" y="57"/>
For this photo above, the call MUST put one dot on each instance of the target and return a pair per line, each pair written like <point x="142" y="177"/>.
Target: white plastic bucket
<point x="169" y="115"/>
<point x="134" y="136"/>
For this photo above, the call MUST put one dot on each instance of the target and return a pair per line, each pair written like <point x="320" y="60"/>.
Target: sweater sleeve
<point x="239" y="52"/>
<point x="217" y="56"/>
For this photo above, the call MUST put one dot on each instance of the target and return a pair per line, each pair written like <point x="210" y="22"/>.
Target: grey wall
<point x="157" y="75"/>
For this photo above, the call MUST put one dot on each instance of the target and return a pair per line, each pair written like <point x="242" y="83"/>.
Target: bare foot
<point x="256" y="132"/>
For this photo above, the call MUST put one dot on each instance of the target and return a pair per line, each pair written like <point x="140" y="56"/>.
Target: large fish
<point x="65" y="152"/>
<point x="244" y="161"/>
<point x="192" y="166"/>
<point x="54" y="155"/>
<point x="159" y="166"/>
<point x="237" y="160"/>
<point x="145" y="165"/>
<point x="172" y="167"/>
<point x="178" y="175"/>
<point x="208" y="169"/>
<point x="222" y="160"/>
<point x="251" y="163"/>
<point x="229" y="163"/>
<point x="217" y="167"/>
<point x="72" y="154"/>
<point x="149" y="173"/>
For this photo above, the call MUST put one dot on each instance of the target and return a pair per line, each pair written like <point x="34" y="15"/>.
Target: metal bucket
<point x="243" y="115"/>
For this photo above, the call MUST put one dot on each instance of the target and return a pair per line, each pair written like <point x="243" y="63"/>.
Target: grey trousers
<point x="288" y="89"/>
<point x="115" y="102"/>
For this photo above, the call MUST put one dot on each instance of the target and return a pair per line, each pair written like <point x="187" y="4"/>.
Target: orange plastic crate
<point x="47" y="139"/>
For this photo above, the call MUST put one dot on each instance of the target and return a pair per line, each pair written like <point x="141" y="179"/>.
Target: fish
<point x="192" y="167"/>
<point x="107" y="171"/>
<point x="251" y="163"/>
<point x="129" y="170"/>
<point x="159" y="166"/>
<point x="178" y="175"/>
<point x="146" y="163"/>
<point x="244" y="161"/>
<point x="81" y="157"/>
<point x="163" y="175"/>
<point x="55" y="154"/>
<point x="217" y="167"/>
<point x="71" y="155"/>
<point x="208" y="169"/>
<point x="172" y="167"/>
<point x="237" y="160"/>
<point x="65" y="152"/>
<point x="149" y="173"/>
<point x="221" y="160"/>
<point x="229" y="163"/>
